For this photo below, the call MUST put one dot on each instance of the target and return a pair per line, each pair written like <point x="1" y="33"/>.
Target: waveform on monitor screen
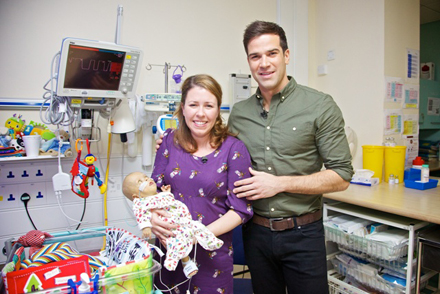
<point x="92" y="64"/>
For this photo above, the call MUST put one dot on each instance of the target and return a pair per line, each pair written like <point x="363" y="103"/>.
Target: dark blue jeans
<point x="293" y="259"/>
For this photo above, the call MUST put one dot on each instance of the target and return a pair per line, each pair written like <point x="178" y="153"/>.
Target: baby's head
<point x="138" y="184"/>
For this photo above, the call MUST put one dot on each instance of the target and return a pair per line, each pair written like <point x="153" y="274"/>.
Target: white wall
<point x="206" y="38"/>
<point x="354" y="30"/>
<point x="402" y="32"/>
<point x="369" y="39"/>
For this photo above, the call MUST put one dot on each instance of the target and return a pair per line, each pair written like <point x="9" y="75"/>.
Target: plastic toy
<point x="35" y="128"/>
<point x="15" y="263"/>
<point x="33" y="239"/>
<point x="15" y="125"/>
<point x="83" y="286"/>
<point x="5" y="138"/>
<point x="83" y="170"/>
<point x="18" y="144"/>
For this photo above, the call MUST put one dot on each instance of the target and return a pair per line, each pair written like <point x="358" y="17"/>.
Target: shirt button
<point x="267" y="148"/>
<point x="268" y="127"/>
<point x="269" y="168"/>
<point x="294" y="128"/>
<point x="272" y="209"/>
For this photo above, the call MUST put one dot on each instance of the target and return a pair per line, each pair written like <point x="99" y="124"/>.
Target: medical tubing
<point x="106" y="183"/>
<point x="187" y="280"/>
<point x="127" y="205"/>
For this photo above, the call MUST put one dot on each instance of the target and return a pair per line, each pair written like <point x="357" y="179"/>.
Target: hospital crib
<point x="133" y="276"/>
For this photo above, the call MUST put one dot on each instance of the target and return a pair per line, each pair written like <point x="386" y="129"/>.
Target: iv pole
<point x="167" y="67"/>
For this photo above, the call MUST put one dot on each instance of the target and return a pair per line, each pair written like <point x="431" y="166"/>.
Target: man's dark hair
<point x="258" y="28"/>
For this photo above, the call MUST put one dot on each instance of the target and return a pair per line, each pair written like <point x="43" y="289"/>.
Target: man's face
<point x="268" y="62"/>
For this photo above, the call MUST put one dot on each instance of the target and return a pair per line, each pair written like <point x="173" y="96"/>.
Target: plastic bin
<point x="362" y="247"/>
<point x="372" y="159"/>
<point x="395" y="162"/>
<point x="133" y="275"/>
<point x="421" y="186"/>
<point x="134" y="282"/>
<point x="370" y="279"/>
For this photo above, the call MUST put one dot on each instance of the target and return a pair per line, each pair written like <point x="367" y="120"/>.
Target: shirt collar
<point x="285" y="92"/>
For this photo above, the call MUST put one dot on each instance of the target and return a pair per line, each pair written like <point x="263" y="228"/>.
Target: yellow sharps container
<point x="395" y="162"/>
<point x="372" y="157"/>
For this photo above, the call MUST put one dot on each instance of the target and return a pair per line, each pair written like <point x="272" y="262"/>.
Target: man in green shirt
<point x="291" y="131"/>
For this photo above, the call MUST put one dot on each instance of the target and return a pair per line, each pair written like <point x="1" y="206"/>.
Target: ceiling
<point x="429" y="11"/>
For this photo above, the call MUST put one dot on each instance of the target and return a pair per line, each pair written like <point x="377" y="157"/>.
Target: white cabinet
<point x="375" y="253"/>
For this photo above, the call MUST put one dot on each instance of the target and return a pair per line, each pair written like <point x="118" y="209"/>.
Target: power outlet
<point x="9" y="197"/>
<point x="322" y="69"/>
<point x="114" y="185"/>
<point x="9" y="174"/>
<point x="33" y="173"/>
<point x="331" y="55"/>
<point x="37" y="191"/>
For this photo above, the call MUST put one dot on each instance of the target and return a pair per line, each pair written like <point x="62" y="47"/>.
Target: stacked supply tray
<point x="379" y="254"/>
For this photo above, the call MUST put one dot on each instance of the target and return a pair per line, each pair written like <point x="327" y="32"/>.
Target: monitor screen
<point x="97" y="69"/>
<point x="93" y="68"/>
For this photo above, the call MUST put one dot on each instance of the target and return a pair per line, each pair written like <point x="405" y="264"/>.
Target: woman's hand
<point x="160" y="228"/>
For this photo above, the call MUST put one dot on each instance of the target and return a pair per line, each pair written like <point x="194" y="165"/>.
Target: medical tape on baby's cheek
<point x="143" y="185"/>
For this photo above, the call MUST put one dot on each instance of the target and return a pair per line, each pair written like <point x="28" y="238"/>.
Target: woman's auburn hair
<point x="219" y="132"/>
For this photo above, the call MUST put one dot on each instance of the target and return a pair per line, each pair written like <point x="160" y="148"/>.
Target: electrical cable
<point x="60" y="201"/>
<point x="181" y="283"/>
<point x="58" y="186"/>
<point x="82" y="216"/>
<point x="25" y="198"/>
<point x="58" y="196"/>
<point x="59" y="111"/>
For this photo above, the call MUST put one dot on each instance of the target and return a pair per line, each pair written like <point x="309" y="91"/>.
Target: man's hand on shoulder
<point x="260" y="185"/>
<point x="158" y="142"/>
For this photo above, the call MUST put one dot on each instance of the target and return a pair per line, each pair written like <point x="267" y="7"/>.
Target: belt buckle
<point x="272" y="220"/>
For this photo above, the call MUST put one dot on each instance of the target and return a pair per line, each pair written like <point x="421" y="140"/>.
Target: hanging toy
<point x="176" y="87"/>
<point x="83" y="170"/>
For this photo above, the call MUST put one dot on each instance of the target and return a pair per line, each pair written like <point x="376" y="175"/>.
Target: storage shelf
<point x="392" y="220"/>
<point x="24" y="158"/>
<point x="364" y="248"/>
<point x="375" y="281"/>
<point x="337" y="286"/>
<point x="394" y="265"/>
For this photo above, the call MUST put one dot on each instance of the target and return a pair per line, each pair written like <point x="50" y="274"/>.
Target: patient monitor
<point x="97" y="69"/>
<point x="98" y="75"/>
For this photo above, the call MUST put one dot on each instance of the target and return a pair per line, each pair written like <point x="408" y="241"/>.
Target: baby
<point x="142" y="190"/>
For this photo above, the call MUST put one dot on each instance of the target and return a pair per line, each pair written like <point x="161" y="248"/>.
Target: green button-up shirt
<point x="304" y="129"/>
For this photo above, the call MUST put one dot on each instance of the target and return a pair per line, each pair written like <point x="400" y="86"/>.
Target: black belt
<point x="281" y="224"/>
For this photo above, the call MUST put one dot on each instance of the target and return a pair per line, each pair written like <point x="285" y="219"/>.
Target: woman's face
<point x="200" y="111"/>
